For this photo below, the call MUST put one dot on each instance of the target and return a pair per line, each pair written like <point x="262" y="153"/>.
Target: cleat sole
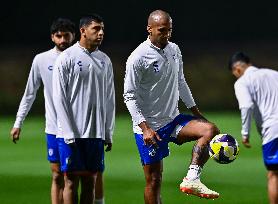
<point x="201" y="195"/>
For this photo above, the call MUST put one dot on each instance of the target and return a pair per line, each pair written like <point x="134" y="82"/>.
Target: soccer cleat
<point x="197" y="188"/>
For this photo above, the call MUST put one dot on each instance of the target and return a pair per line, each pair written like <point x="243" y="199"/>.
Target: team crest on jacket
<point x="155" y="67"/>
<point x="102" y="64"/>
<point x="50" y="67"/>
<point x="79" y="63"/>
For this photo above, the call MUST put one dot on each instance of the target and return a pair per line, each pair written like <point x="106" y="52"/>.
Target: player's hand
<point x="108" y="146"/>
<point x="245" y="142"/>
<point x="150" y="137"/>
<point x="15" y="132"/>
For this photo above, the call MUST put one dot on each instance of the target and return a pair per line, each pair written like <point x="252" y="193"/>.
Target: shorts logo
<point x="152" y="152"/>
<point x="272" y="157"/>
<point x="50" y="152"/>
<point x="68" y="161"/>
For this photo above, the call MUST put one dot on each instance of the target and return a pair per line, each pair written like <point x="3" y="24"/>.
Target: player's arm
<point x="150" y="136"/>
<point x="196" y="112"/>
<point x="32" y="86"/>
<point x="133" y="76"/>
<point x="246" y="108"/>
<point x="61" y="97"/>
<point x="110" y="109"/>
<point x="246" y="117"/>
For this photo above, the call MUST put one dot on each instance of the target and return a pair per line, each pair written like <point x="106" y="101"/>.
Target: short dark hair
<point x="238" y="56"/>
<point x="86" y="20"/>
<point x="63" y="25"/>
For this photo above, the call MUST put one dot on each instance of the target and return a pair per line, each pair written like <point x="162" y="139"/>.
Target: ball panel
<point x="223" y="148"/>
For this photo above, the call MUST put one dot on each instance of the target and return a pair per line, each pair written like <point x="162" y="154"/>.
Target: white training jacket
<point x="154" y="81"/>
<point x="83" y="89"/>
<point x="41" y="72"/>
<point x="257" y="93"/>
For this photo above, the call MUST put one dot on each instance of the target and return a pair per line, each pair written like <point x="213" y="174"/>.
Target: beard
<point x="63" y="46"/>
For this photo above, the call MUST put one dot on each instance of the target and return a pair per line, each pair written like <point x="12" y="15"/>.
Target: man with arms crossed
<point x="62" y="35"/>
<point x="257" y="93"/>
<point x="154" y="82"/>
<point x="83" y="88"/>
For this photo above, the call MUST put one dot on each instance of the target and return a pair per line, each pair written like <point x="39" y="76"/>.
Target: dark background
<point x="208" y="33"/>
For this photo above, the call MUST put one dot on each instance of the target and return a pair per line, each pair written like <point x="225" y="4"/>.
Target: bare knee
<point x="57" y="175"/>
<point x="57" y="178"/>
<point x="71" y="182"/>
<point x="210" y="131"/>
<point x="272" y="175"/>
<point x="154" y="180"/>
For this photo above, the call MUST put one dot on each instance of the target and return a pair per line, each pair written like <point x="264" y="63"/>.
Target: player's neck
<point x="157" y="44"/>
<point x="58" y="50"/>
<point x="87" y="46"/>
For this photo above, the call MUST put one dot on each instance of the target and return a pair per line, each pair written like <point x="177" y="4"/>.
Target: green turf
<point x="25" y="175"/>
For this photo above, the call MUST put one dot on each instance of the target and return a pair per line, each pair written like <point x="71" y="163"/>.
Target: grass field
<point x="25" y="175"/>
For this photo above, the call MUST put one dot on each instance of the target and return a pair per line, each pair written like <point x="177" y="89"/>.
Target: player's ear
<point x="236" y="71"/>
<point x="149" y="29"/>
<point x="52" y="37"/>
<point x="82" y="31"/>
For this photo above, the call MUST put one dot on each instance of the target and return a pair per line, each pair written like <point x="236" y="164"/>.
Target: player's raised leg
<point x="153" y="177"/>
<point x="202" y="131"/>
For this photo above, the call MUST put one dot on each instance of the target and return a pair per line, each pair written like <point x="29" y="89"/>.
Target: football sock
<point x="194" y="172"/>
<point x="99" y="201"/>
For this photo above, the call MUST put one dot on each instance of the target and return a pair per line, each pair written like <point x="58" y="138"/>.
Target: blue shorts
<point x="85" y="155"/>
<point x="52" y="149"/>
<point x="270" y="155"/>
<point x="151" y="154"/>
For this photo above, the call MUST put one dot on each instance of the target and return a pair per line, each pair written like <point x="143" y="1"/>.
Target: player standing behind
<point x="257" y="93"/>
<point x="154" y="81"/>
<point x="62" y="34"/>
<point x="83" y="88"/>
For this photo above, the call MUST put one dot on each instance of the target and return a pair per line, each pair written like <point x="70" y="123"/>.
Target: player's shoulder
<point x="70" y="51"/>
<point x="268" y="70"/>
<point x="139" y="53"/>
<point x="43" y="55"/>
<point x="174" y="46"/>
<point x="68" y="54"/>
<point x="241" y="82"/>
<point x="104" y="56"/>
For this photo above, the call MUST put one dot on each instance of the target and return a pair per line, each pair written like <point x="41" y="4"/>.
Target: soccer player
<point x="257" y="93"/>
<point x="62" y="34"/>
<point x="83" y="88"/>
<point x="154" y="81"/>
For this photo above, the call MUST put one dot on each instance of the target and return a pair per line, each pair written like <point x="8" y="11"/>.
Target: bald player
<point x="154" y="82"/>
